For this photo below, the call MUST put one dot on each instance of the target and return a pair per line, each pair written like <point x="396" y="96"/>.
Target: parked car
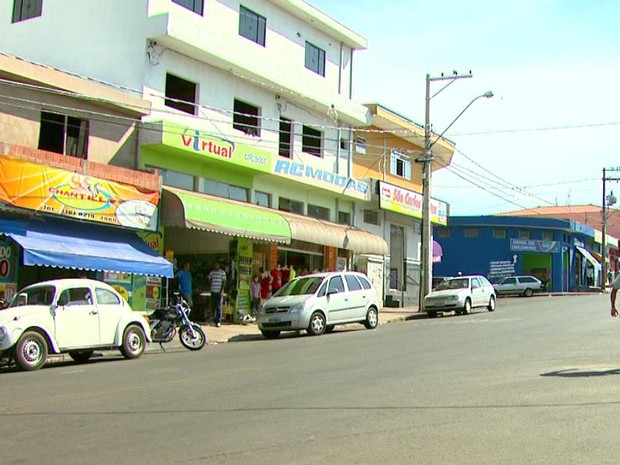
<point x="74" y="316"/>
<point x="522" y="285"/>
<point x="460" y="294"/>
<point x="318" y="302"/>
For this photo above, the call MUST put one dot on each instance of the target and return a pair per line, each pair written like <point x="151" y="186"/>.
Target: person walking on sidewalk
<point x="615" y="286"/>
<point x="255" y="293"/>
<point x="217" y="282"/>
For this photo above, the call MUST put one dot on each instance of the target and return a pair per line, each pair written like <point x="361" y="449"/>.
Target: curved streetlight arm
<point x="488" y="94"/>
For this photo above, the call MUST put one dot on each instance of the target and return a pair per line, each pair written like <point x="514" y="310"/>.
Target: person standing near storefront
<point x="184" y="278"/>
<point x="265" y="284"/>
<point x="276" y="281"/>
<point x="217" y="281"/>
<point x="255" y="294"/>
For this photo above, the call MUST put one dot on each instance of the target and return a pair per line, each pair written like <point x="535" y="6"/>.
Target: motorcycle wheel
<point x="196" y="343"/>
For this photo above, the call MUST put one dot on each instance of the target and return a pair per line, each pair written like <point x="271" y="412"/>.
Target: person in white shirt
<point x="217" y="283"/>
<point x="615" y="286"/>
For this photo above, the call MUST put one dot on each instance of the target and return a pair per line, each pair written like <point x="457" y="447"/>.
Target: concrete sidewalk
<point x="250" y="332"/>
<point x="239" y="332"/>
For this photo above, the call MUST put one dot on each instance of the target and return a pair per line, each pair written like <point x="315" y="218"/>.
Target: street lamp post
<point x="426" y="259"/>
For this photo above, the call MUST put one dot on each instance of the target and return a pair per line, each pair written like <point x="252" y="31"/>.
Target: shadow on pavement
<point x="575" y="373"/>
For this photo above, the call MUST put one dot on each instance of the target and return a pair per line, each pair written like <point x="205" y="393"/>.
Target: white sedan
<point x="74" y="316"/>
<point x="461" y="295"/>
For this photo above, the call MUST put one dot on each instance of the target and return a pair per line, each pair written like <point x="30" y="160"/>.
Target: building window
<point x="311" y="141"/>
<point x="252" y="26"/>
<point x="180" y="94"/>
<point x="360" y="144"/>
<point x="315" y="59"/>
<point x="471" y="232"/>
<point x="193" y="5"/>
<point x="400" y="165"/>
<point x="344" y="218"/>
<point x="292" y="206"/>
<point x="177" y="179"/>
<point x="262" y="198"/>
<point x="547" y="235"/>
<point x="26" y="9"/>
<point x="285" y="140"/>
<point x="226" y="191"/>
<point x="525" y="234"/>
<point x="371" y="217"/>
<point x="63" y="134"/>
<point x="320" y="213"/>
<point x="344" y="144"/>
<point x="499" y="234"/>
<point x="442" y="232"/>
<point x="246" y="118"/>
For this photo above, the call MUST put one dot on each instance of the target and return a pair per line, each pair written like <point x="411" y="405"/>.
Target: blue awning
<point x="84" y="246"/>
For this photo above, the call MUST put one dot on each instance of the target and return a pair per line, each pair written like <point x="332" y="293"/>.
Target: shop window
<point x="320" y="213"/>
<point x="196" y="6"/>
<point x="63" y="134"/>
<point x="471" y="232"/>
<point x="292" y="206"/>
<point x="262" y="198"/>
<point x="224" y="190"/>
<point x="443" y="232"/>
<point x="311" y="141"/>
<point x="371" y="217"/>
<point x="180" y="94"/>
<point x="499" y="234"/>
<point x="177" y="179"/>
<point x="285" y="138"/>
<point x="360" y="144"/>
<point x="547" y="235"/>
<point x="315" y="59"/>
<point x="525" y="234"/>
<point x="252" y="25"/>
<point x="400" y="165"/>
<point x="344" y="218"/>
<point x="246" y="118"/>
<point x="26" y="9"/>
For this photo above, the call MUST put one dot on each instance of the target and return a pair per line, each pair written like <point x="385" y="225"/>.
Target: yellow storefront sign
<point x="50" y="190"/>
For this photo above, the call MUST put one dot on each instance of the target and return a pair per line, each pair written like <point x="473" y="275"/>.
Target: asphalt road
<point x="537" y="381"/>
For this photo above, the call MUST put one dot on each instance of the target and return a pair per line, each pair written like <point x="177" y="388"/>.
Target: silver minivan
<point x="318" y="302"/>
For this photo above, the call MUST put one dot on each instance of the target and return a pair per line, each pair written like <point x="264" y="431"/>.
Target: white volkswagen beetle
<point x="73" y="316"/>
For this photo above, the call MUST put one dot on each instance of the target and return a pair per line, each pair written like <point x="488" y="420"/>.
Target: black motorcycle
<point x="164" y="322"/>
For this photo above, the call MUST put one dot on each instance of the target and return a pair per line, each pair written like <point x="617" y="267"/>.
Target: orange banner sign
<point x="46" y="189"/>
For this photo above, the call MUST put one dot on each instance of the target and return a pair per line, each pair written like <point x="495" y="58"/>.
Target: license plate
<point x="274" y="320"/>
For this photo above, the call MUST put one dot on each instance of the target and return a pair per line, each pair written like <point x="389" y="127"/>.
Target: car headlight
<point x="3" y="333"/>
<point x="296" y="308"/>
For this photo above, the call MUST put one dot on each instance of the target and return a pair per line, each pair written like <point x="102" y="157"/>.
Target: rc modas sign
<point x="322" y="178"/>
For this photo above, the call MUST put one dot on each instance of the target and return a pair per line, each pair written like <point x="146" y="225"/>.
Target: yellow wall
<point x="376" y="163"/>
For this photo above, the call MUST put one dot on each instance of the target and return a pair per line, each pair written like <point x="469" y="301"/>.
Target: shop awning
<point x="200" y="211"/>
<point x="84" y="246"/>
<point x="588" y="256"/>
<point x="316" y="231"/>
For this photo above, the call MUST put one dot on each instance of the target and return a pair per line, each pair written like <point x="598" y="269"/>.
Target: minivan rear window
<point x="353" y="283"/>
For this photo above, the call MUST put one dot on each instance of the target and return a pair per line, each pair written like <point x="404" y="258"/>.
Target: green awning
<point x="182" y="208"/>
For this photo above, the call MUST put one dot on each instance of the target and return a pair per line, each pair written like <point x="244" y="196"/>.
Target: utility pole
<point x="426" y="258"/>
<point x="608" y="201"/>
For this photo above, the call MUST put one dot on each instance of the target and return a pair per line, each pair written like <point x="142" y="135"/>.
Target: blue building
<point x="558" y="252"/>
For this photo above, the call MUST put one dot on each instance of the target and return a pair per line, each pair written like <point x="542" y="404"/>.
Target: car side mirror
<point x="332" y="291"/>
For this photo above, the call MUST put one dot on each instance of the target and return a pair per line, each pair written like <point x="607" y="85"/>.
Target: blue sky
<point x="553" y="66"/>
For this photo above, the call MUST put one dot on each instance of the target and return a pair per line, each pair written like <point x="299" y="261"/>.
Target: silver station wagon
<point x="318" y="302"/>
